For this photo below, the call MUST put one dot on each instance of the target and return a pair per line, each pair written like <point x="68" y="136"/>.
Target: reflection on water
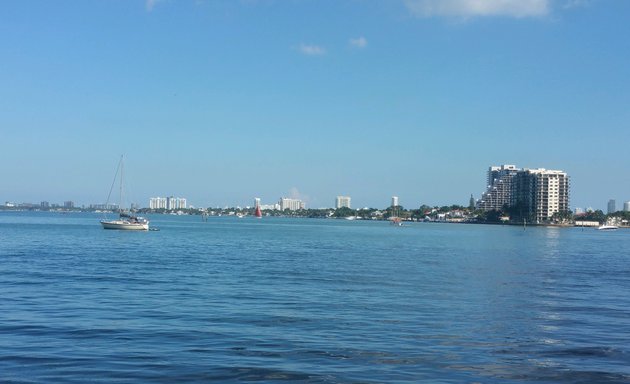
<point x="311" y="301"/>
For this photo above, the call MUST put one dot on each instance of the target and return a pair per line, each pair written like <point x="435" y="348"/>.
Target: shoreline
<point x="246" y="215"/>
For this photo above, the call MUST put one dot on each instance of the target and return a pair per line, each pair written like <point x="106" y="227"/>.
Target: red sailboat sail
<point x="258" y="212"/>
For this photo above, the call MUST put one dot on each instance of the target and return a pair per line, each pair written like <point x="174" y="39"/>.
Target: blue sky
<point x="223" y="101"/>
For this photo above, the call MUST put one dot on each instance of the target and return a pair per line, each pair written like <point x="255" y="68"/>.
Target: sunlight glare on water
<point x="306" y="300"/>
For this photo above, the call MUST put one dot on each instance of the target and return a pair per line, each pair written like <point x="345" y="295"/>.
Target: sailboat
<point x="126" y="221"/>
<point x="394" y="219"/>
<point x="258" y="213"/>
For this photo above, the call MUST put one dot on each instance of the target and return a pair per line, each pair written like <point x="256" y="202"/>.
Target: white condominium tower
<point x="290" y="204"/>
<point x="167" y="203"/>
<point x="395" y="201"/>
<point x="531" y="195"/>
<point x="177" y="203"/>
<point x="498" y="188"/>
<point x="157" y="203"/>
<point x="539" y="193"/>
<point x="342" y="201"/>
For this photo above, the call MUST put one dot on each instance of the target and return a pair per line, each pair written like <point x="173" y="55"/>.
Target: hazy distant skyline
<point x="224" y="101"/>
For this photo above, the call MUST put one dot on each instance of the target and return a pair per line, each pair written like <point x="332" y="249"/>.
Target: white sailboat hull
<point x="125" y="225"/>
<point x="127" y="221"/>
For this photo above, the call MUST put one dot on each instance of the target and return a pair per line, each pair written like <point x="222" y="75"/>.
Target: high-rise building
<point x="290" y="204"/>
<point x="537" y="194"/>
<point x="167" y="203"/>
<point x="180" y="203"/>
<point x="157" y="203"/>
<point x="533" y="195"/>
<point x="498" y="192"/>
<point x="626" y="206"/>
<point x="68" y="204"/>
<point x="395" y="201"/>
<point x="612" y="206"/>
<point x="342" y="201"/>
<point x="256" y="202"/>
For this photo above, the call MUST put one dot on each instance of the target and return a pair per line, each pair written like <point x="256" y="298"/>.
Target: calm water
<point x="321" y="301"/>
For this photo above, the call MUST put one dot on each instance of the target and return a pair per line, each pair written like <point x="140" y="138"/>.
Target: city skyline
<point x="223" y="101"/>
<point x="494" y="197"/>
<point x="484" y="202"/>
<point x="344" y="202"/>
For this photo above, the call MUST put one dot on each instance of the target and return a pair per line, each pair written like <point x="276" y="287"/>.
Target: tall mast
<point x="120" y="200"/>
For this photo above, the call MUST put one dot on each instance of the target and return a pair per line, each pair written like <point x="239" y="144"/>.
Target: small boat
<point x="128" y="224"/>
<point x="126" y="221"/>
<point x="258" y="213"/>
<point x="607" y="227"/>
<point x="394" y="218"/>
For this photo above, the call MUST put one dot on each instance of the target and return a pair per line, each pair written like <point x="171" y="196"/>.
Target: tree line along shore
<point x="452" y="213"/>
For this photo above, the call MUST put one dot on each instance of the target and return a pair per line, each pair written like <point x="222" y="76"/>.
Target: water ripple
<point x="310" y="301"/>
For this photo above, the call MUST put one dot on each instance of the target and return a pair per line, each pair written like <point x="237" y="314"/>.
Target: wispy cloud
<point x="150" y="4"/>
<point x="359" y="42"/>
<point x="312" y="50"/>
<point x="575" y="3"/>
<point x="294" y="193"/>
<point x="478" y="8"/>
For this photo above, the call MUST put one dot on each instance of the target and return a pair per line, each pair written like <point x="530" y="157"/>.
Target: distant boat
<point x="129" y="223"/>
<point x="607" y="227"/>
<point x="127" y="220"/>
<point x="394" y="218"/>
<point x="258" y="213"/>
